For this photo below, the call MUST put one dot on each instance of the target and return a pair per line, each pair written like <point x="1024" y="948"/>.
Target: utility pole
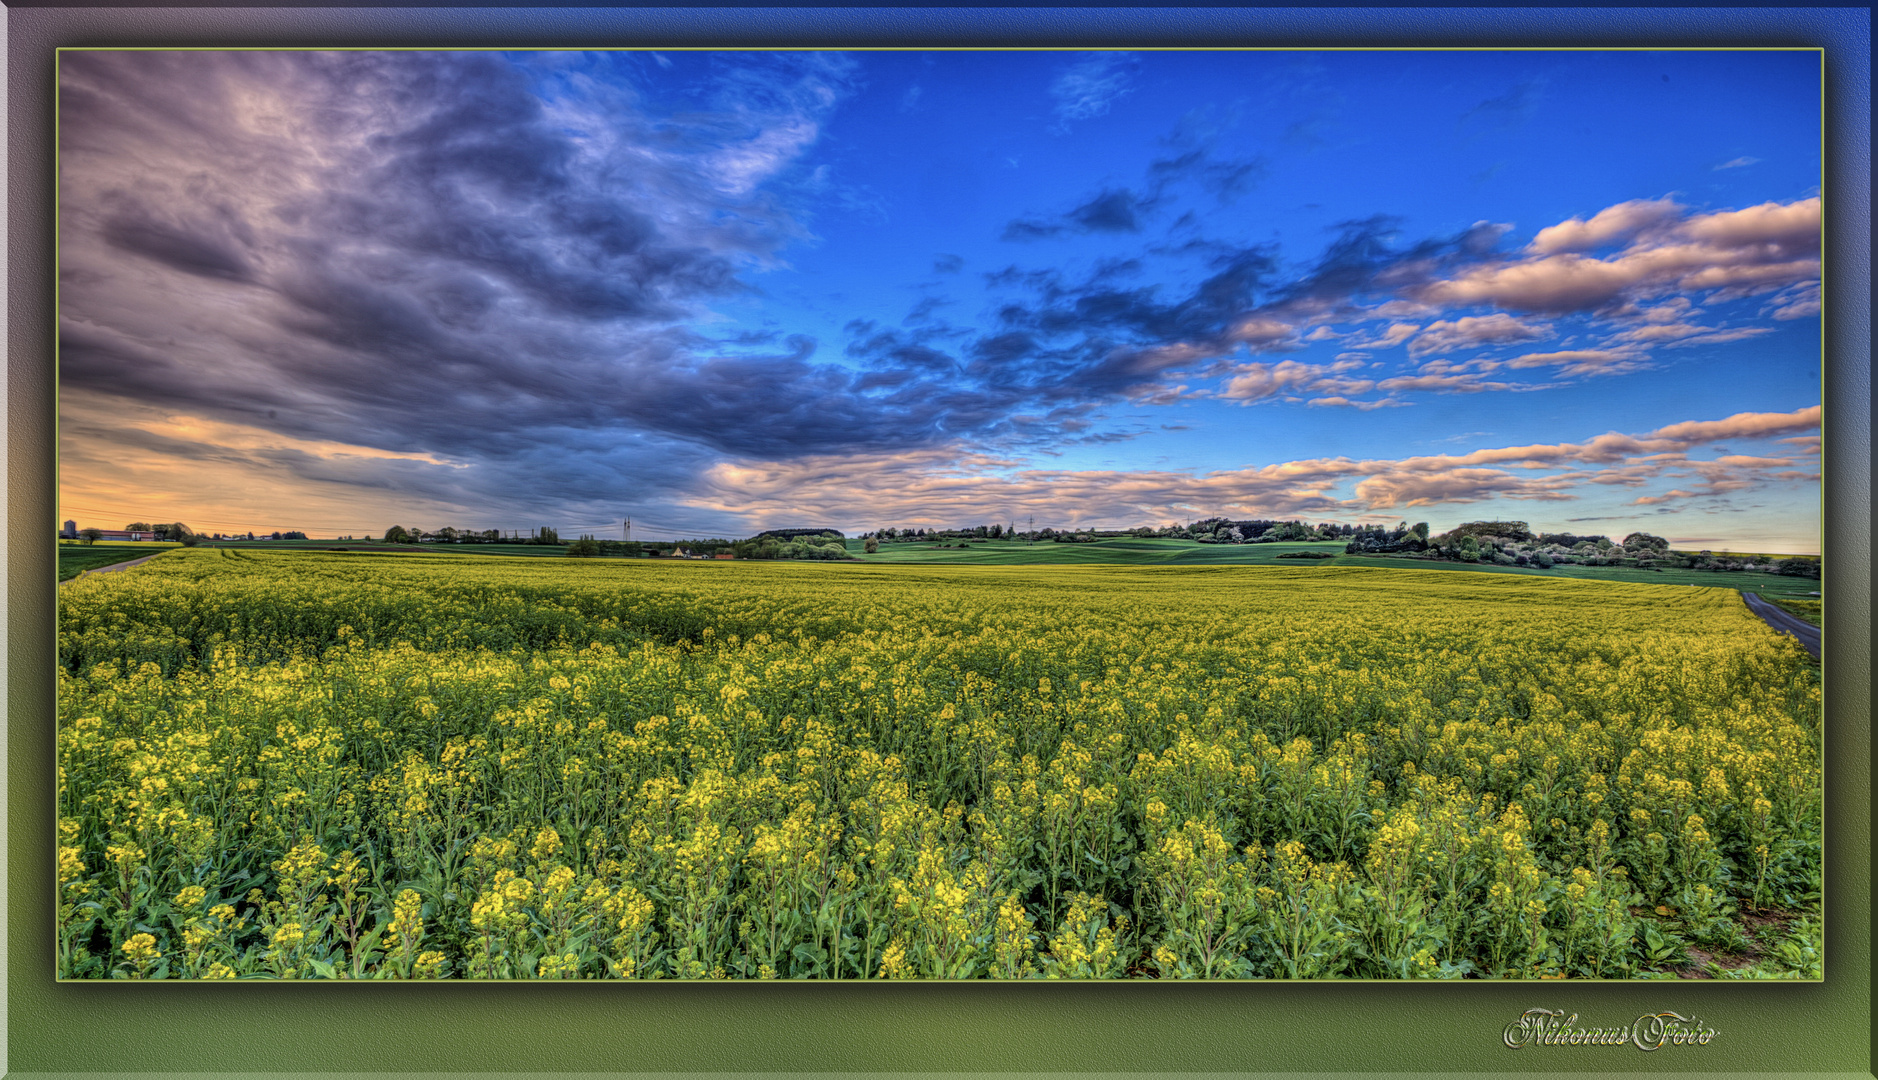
<point x="1031" y="537"/>
<point x="629" y="529"/>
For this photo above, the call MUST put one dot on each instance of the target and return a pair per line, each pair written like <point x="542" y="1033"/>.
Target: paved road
<point x="113" y="567"/>
<point x="1785" y="623"/>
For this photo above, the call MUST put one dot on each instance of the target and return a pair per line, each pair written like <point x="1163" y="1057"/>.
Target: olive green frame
<point x="124" y="1029"/>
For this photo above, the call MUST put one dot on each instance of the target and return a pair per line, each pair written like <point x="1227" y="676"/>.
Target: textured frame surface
<point x="1019" y="1029"/>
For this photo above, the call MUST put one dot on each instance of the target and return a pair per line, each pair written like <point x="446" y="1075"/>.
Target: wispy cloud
<point x="1510" y="109"/>
<point x="1473" y="332"/>
<point x="1258" y="381"/>
<point x="1085" y="90"/>
<point x="1571" y="363"/>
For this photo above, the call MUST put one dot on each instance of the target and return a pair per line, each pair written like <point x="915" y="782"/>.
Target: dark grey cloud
<point x="1118" y="210"/>
<point x="193" y="251"/>
<point x="1123" y="209"/>
<point x="446" y="265"/>
<point x="1364" y="261"/>
<point x="923" y="311"/>
<point x="432" y="254"/>
<point x="1226" y="179"/>
<point x="1113" y="210"/>
<point x="1510" y="109"/>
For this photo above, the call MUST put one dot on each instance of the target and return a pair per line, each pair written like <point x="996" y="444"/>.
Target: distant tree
<point x="585" y="547"/>
<point x="546" y="536"/>
<point x="394" y="535"/>
<point x="139" y="526"/>
<point x="1469" y="549"/>
<point x="810" y="535"/>
<point x="1512" y="530"/>
<point x="1637" y="541"/>
<point x="91" y="535"/>
<point x="870" y="545"/>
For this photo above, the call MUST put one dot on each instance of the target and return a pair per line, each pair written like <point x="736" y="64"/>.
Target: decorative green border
<point x="1000" y="1028"/>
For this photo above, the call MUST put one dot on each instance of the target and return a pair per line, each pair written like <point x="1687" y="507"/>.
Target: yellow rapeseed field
<point x="324" y="765"/>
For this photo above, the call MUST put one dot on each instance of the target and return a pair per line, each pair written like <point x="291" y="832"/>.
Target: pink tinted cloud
<point x="1691" y="433"/>
<point x="1346" y="403"/>
<point x="1258" y="381"/>
<point x="1261" y="333"/>
<point x="1395" y="334"/>
<point x="1607" y="226"/>
<point x="1798" y="302"/>
<point x="1757" y="249"/>
<point x="1473" y="332"/>
<point x="1445" y="384"/>
<point x="1681" y="335"/>
<point x="1576" y="362"/>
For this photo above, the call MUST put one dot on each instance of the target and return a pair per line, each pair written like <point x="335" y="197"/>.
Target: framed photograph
<point x="750" y="542"/>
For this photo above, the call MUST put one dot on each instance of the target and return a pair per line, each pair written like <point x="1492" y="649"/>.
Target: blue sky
<point x="728" y="291"/>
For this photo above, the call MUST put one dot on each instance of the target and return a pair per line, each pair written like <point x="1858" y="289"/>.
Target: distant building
<point x="70" y="532"/>
<point x="723" y="555"/>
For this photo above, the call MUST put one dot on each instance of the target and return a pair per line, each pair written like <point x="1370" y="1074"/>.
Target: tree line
<point x="1213" y="530"/>
<point x="1513" y="543"/>
<point x="171" y="530"/>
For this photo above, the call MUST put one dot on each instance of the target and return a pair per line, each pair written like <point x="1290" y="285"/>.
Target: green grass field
<point x="1133" y="551"/>
<point x="75" y="559"/>
<point x="382" y="548"/>
<point x="1157" y="552"/>
<point x="1770" y="586"/>
<point x="1812" y="610"/>
<point x="1123" y="551"/>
